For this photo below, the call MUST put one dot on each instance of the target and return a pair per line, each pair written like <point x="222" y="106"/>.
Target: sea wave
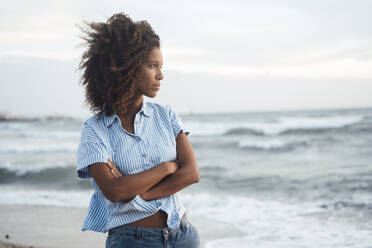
<point x="243" y="131"/>
<point x="39" y="147"/>
<point x="60" y="134"/>
<point x="53" y="177"/>
<point x="275" y="145"/>
<point x="58" y="198"/>
<point x="281" y="126"/>
<point x="23" y="169"/>
<point x="262" y="222"/>
<point x="28" y="131"/>
<point x="33" y="175"/>
<point x="342" y="205"/>
<point x="272" y="145"/>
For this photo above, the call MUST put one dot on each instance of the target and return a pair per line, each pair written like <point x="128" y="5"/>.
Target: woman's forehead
<point x="155" y="55"/>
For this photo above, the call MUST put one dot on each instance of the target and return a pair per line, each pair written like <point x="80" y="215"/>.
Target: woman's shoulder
<point x="95" y="129"/>
<point x="94" y="119"/>
<point x="97" y="121"/>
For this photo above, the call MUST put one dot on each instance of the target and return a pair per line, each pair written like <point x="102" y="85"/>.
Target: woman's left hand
<point x="113" y="169"/>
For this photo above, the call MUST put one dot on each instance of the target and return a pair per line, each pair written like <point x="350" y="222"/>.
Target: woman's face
<point x="148" y="83"/>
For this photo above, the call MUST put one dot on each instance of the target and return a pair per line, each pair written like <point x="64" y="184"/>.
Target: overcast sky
<point x="219" y="56"/>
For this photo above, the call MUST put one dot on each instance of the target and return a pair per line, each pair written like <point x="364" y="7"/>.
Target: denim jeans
<point x="185" y="236"/>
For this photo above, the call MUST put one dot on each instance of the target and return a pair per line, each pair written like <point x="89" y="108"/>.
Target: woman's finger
<point x="114" y="173"/>
<point x="114" y="170"/>
<point x="111" y="167"/>
<point x="111" y="164"/>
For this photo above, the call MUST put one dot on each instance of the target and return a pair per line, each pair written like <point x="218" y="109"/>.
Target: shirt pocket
<point x="166" y="151"/>
<point x="127" y="162"/>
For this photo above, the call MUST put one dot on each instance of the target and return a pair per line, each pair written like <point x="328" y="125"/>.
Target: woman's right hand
<point x="172" y="166"/>
<point x="113" y="169"/>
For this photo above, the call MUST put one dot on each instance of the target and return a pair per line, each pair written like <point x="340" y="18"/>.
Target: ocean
<point x="283" y="178"/>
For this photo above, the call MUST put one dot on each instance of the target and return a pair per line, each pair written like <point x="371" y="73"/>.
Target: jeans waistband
<point x="148" y="231"/>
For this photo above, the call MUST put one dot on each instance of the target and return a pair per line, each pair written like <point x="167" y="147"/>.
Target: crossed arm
<point x="162" y="180"/>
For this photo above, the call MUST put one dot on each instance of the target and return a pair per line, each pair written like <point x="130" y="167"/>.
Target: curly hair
<point x="112" y="63"/>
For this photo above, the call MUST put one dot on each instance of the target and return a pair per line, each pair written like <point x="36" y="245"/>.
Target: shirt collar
<point x="145" y="110"/>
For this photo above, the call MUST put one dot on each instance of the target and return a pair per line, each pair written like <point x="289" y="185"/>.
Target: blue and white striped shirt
<point x="153" y="142"/>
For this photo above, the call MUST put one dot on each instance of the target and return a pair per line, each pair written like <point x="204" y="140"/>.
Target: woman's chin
<point x="152" y="94"/>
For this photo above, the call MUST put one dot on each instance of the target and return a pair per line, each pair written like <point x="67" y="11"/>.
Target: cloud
<point x="285" y="46"/>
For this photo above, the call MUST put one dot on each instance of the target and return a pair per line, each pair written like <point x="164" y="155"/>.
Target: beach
<point x="55" y="227"/>
<point x="12" y="245"/>
<point x="267" y="179"/>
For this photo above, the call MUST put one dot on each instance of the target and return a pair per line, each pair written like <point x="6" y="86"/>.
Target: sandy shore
<point x="54" y="227"/>
<point x="12" y="245"/>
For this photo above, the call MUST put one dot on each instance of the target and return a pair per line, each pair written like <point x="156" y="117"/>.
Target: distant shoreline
<point x="13" y="118"/>
<point x="4" y="116"/>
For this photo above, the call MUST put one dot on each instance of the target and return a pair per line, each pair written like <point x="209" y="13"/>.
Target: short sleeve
<point x="177" y="124"/>
<point x="90" y="150"/>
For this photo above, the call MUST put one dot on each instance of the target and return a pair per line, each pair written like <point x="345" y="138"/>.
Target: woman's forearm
<point x="173" y="183"/>
<point x="127" y="187"/>
<point x="124" y="188"/>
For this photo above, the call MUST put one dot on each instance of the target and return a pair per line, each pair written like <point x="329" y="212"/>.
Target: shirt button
<point x="137" y="122"/>
<point x="144" y="155"/>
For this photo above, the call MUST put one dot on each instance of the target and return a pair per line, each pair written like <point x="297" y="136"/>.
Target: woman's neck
<point x="134" y="108"/>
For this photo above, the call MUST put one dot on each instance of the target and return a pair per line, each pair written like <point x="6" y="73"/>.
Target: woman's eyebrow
<point x="157" y="61"/>
<point x="154" y="60"/>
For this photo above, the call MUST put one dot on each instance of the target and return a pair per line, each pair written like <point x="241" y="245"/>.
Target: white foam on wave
<point x="269" y="223"/>
<point x="22" y="169"/>
<point x="207" y="128"/>
<point x="58" y="198"/>
<point x="41" y="134"/>
<point x="266" y="223"/>
<point x="38" y="146"/>
<point x="53" y="134"/>
<point x="316" y="122"/>
<point x="39" y="130"/>
<point x="272" y="128"/>
<point x="263" y="144"/>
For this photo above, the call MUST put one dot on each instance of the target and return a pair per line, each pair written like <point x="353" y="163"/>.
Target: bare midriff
<point x="158" y="220"/>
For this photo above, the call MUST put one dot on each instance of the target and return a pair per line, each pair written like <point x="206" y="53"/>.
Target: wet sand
<point x="56" y="227"/>
<point x="11" y="245"/>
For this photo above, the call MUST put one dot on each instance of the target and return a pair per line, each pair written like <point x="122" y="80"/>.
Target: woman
<point x="135" y="194"/>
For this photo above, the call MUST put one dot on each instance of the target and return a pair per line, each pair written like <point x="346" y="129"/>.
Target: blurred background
<point x="277" y="96"/>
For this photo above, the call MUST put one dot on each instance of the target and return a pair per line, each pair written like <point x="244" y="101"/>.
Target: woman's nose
<point x="159" y="75"/>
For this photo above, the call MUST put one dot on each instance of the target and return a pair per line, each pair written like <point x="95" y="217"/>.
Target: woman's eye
<point x="152" y="65"/>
